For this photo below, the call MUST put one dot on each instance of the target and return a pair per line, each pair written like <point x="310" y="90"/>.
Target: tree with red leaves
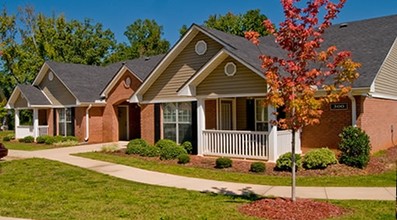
<point x="295" y="80"/>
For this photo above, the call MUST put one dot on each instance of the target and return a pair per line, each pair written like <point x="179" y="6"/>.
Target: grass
<point x="16" y="145"/>
<point x="387" y="179"/>
<point x="43" y="189"/>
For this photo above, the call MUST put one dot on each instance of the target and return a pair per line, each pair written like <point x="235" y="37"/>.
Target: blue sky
<point x="172" y="14"/>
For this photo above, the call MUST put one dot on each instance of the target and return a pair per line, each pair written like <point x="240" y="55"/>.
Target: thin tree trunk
<point x="293" y="166"/>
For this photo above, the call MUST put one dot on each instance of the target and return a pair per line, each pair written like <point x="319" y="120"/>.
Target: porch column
<point x="16" y="123"/>
<point x="200" y="125"/>
<point x="35" y="123"/>
<point x="273" y="153"/>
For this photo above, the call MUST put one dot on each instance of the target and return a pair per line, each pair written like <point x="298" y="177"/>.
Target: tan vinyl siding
<point x="386" y="82"/>
<point x="241" y="111"/>
<point x="245" y="81"/>
<point x="56" y="91"/>
<point x="20" y="102"/>
<point x="181" y="69"/>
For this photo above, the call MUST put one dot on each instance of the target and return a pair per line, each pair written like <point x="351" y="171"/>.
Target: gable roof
<point x="369" y="41"/>
<point x="33" y="95"/>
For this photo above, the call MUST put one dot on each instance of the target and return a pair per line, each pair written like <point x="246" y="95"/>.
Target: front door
<point x="226" y="115"/>
<point x="123" y="122"/>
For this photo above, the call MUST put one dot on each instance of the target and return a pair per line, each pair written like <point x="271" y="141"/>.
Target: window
<point x="261" y="120"/>
<point x="177" y="121"/>
<point x="65" y="122"/>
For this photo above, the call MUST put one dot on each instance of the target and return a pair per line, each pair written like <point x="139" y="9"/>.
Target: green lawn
<point x="16" y="145"/>
<point x="43" y="189"/>
<point x="381" y="180"/>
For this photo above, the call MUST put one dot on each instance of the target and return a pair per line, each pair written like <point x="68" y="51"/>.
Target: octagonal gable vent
<point x="230" y="69"/>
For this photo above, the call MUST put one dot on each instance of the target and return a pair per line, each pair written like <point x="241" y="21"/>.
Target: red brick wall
<point x="147" y="123"/>
<point x="376" y="119"/>
<point x="210" y="114"/>
<point x="326" y="133"/>
<point x="119" y="94"/>
<point x="95" y="124"/>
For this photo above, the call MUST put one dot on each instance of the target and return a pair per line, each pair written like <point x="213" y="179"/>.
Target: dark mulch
<point x="301" y="209"/>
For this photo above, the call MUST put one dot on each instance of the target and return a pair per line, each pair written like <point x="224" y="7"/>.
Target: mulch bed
<point x="301" y="209"/>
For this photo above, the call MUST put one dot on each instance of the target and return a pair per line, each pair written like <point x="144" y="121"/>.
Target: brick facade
<point x="326" y="133"/>
<point x="147" y="123"/>
<point x="378" y="118"/>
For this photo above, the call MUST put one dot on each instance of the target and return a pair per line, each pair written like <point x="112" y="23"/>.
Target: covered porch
<point x="240" y="127"/>
<point x="34" y="122"/>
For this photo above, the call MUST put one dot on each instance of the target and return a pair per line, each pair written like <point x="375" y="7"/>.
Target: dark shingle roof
<point x="142" y="67"/>
<point x="33" y="95"/>
<point x="84" y="81"/>
<point x="369" y="41"/>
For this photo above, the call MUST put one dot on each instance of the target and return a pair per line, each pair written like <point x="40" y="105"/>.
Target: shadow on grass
<point x="245" y="193"/>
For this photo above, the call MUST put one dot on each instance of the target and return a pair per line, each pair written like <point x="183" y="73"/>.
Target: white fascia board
<point x="166" y="100"/>
<point x="43" y="70"/>
<point x="13" y="98"/>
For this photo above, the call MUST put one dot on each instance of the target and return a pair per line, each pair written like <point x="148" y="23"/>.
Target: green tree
<point x="235" y="24"/>
<point x="145" y="39"/>
<point x="36" y="38"/>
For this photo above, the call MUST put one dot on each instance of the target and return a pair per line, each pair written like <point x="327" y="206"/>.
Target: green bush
<point x="28" y="139"/>
<point x="6" y="138"/>
<point x="187" y="145"/>
<point x="150" y="151"/>
<point x="50" y="140"/>
<point x="170" y="152"/>
<point x="70" y="138"/>
<point x="319" y="158"/>
<point x="284" y="162"/>
<point x="165" y="143"/>
<point x="223" y="162"/>
<point x="183" y="159"/>
<point x="109" y="148"/>
<point x="59" y="139"/>
<point x="258" y="167"/>
<point x="136" y="146"/>
<point x="42" y="139"/>
<point x="355" y="147"/>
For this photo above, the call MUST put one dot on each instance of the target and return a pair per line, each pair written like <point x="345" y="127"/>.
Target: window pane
<point x="68" y="114"/>
<point x="261" y="111"/>
<point x="69" y="129"/>
<point x="185" y="112"/>
<point x="261" y="126"/>
<point x="169" y="112"/>
<point x="61" y="115"/>
<point x="170" y="131"/>
<point x="185" y="133"/>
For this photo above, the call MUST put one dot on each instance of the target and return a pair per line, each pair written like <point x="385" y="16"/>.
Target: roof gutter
<point x="87" y="123"/>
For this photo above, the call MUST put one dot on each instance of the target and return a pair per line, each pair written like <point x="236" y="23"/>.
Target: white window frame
<point x="64" y="122"/>
<point x="176" y="122"/>
<point x="264" y="115"/>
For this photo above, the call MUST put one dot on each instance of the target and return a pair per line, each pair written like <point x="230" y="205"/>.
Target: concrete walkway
<point x="202" y="185"/>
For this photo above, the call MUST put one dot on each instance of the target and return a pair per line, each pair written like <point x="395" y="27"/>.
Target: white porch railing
<point x="241" y="144"/>
<point x="27" y="130"/>
<point x="284" y="139"/>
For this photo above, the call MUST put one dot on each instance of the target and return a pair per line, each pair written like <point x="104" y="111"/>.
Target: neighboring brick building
<point x="89" y="102"/>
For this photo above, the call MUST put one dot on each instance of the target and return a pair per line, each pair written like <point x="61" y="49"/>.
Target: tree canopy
<point x="236" y="24"/>
<point x="28" y="39"/>
<point x="145" y="39"/>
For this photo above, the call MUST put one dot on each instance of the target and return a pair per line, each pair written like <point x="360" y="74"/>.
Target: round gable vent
<point x="230" y="69"/>
<point x="50" y="76"/>
<point x="201" y="47"/>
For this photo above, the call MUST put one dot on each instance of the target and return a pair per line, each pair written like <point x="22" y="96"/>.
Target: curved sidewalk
<point x="202" y="185"/>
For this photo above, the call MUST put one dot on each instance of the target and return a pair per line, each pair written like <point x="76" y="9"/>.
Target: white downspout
<point x="87" y="123"/>
<point x="354" y="110"/>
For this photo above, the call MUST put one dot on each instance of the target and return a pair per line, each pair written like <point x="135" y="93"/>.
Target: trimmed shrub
<point x="319" y="158"/>
<point x="50" y="140"/>
<point x="355" y="147"/>
<point x="42" y="139"/>
<point x="70" y="138"/>
<point x="170" y="152"/>
<point x="136" y="146"/>
<point x="6" y="138"/>
<point x="187" y="145"/>
<point x="284" y="162"/>
<point x="28" y="139"/>
<point x="165" y="143"/>
<point x="58" y="139"/>
<point x="183" y="159"/>
<point x="223" y="162"/>
<point x="258" y="167"/>
<point x="150" y="151"/>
